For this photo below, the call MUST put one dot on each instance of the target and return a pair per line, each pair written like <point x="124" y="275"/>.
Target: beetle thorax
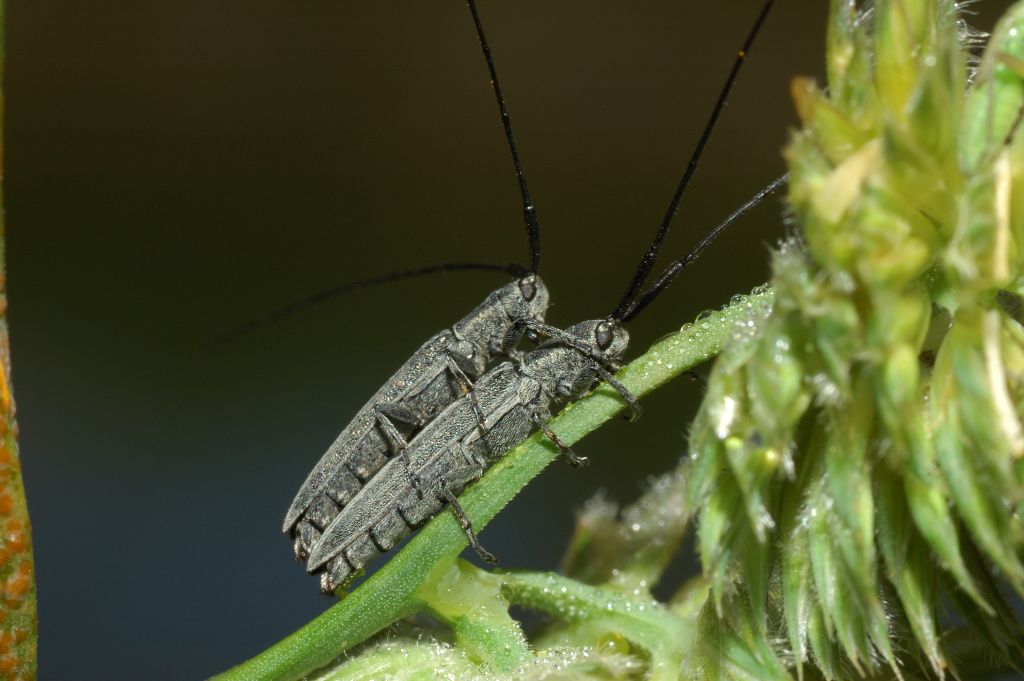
<point x="567" y="366"/>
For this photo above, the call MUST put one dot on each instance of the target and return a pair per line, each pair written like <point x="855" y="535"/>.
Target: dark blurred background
<point x="175" y="169"/>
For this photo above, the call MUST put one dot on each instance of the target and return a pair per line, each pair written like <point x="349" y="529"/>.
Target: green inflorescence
<point x="856" y="479"/>
<point x="872" y="432"/>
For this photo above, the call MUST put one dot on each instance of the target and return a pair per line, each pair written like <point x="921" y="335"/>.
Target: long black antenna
<point x="675" y="268"/>
<point x="529" y="212"/>
<point x="647" y="261"/>
<point x="514" y="269"/>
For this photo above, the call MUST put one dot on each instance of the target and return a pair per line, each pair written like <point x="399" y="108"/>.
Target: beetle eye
<point x="528" y="287"/>
<point x="604" y="335"/>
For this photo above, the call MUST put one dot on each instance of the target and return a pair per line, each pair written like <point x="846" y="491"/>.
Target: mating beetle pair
<point x="453" y="408"/>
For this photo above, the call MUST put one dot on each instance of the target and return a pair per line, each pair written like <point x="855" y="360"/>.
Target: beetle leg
<point x="570" y="455"/>
<point x="398" y="442"/>
<point x="467" y="386"/>
<point x="467" y="527"/>
<point x="629" y="397"/>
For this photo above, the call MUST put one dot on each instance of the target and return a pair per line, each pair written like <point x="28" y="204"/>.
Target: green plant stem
<point x="601" y="611"/>
<point x="470" y="601"/>
<point x="392" y="592"/>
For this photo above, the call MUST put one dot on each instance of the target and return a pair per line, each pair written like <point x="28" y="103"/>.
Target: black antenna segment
<point x="515" y="269"/>
<point x="529" y="212"/>
<point x="675" y="268"/>
<point x="647" y="261"/>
